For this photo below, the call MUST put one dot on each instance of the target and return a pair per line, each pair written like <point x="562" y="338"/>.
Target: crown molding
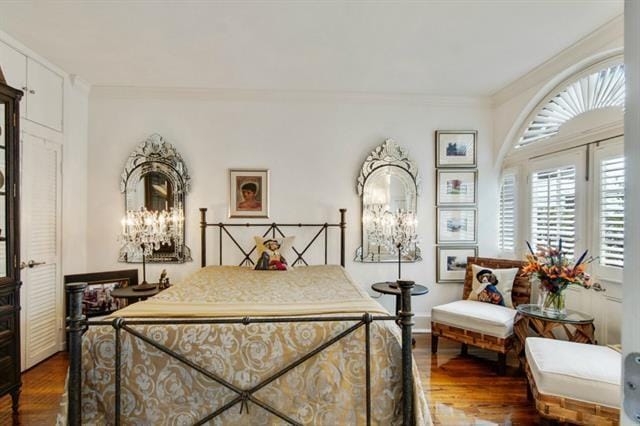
<point x="79" y="83"/>
<point x="609" y="37"/>
<point x="209" y="94"/>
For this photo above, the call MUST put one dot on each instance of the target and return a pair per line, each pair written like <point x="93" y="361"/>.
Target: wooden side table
<point x="387" y="288"/>
<point x="133" y="296"/>
<point x="531" y="320"/>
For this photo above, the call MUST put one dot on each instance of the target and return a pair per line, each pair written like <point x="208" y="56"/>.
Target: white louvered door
<point x="558" y="203"/>
<point x="42" y="298"/>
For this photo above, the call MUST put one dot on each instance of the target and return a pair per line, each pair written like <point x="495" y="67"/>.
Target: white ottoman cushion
<point x="485" y="318"/>
<point x="584" y="372"/>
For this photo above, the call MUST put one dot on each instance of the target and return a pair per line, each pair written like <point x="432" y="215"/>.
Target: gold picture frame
<point x="249" y="193"/>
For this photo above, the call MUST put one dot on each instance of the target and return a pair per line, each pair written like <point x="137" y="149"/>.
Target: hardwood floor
<point x="461" y="390"/>
<point x="42" y="387"/>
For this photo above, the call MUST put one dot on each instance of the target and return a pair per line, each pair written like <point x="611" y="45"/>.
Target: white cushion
<point x="485" y="318"/>
<point x="580" y="371"/>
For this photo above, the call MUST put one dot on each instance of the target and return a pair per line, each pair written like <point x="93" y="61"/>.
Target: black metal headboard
<point x="275" y="230"/>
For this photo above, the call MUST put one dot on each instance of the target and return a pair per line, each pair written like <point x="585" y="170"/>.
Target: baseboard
<point x="423" y="323"/>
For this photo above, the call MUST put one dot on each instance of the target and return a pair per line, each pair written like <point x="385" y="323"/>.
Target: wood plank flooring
<point x="461" y="390"/>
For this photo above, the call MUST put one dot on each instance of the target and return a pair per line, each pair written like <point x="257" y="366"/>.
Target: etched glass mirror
<point x="156" y="179"/>
<point x="388" y="186"/>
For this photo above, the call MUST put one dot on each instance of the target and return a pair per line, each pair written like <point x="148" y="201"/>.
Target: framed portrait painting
<point x="456" y="187"/>
<point x="456" y="225"/>
<point x="456" y="148"/>
<point x="452" y="263"/>
<point x="249" y="193"/>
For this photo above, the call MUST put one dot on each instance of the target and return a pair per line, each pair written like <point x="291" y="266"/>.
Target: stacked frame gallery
<point x="456" y="203"/>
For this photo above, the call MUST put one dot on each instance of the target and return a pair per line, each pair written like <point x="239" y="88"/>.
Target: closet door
<point x="42" y="294"/>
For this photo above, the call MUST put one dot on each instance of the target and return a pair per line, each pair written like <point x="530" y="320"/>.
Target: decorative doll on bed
<point x="271" y="259"/>
<point x="488" y="291"/>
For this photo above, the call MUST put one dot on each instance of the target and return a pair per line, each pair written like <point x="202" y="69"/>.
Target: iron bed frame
<point x="77" y="324"/>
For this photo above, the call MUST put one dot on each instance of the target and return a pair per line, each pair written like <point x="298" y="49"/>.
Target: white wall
<point x="314" y="146"/>
<point x="74" y="176"/>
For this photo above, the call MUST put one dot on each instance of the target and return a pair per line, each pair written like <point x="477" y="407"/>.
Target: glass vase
<point x="553" y="302"/>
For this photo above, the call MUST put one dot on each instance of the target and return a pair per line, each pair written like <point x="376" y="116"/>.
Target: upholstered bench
<point x="477" y="318"/>
<point x="574" y="382"/>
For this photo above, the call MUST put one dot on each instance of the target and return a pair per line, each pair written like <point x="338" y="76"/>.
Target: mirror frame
<point x="156" y="155"/>
<point x="388" y="154"/>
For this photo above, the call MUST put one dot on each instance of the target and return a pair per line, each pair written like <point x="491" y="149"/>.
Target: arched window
<point x="601" y="89"/>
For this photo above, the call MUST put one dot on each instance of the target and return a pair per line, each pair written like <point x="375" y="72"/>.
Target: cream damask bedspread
<point x="328" y="389"/>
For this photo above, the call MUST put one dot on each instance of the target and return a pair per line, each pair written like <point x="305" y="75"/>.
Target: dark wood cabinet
<point x="9" y="242"/>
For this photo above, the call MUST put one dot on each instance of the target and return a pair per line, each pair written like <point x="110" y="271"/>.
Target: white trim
<point x="193" y="93"/>
<point x="423" y="323"/>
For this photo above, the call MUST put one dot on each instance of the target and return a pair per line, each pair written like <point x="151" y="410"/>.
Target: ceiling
<point x="470" y="48"/>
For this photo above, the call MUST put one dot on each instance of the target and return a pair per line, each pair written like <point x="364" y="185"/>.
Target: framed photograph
<point x="451" y="264"/>
<point x="97" y="300"/>
<point x="456" y="187"/>
<point x="249" y="193"/>
<point x="456" y="148"/>
<point x="456" y="225"/>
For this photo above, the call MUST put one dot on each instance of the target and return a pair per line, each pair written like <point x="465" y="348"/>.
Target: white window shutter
<point x="553" y="208"/>
<point x="507" y="213"/>
<point x="612" y="212"/>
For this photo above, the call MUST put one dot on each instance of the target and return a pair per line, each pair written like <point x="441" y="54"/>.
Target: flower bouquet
<point x="556" y="271"/>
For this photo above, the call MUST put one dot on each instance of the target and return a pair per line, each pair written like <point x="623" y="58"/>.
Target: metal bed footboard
<point x="77" y="324"/>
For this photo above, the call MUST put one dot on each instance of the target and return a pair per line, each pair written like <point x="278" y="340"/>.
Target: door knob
<point x="30" y="264"/>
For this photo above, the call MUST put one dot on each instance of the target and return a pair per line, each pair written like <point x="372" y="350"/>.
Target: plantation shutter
<point x="507" y="213"/>
<point x="553" y="208"/>
<point x="612" y="212"/>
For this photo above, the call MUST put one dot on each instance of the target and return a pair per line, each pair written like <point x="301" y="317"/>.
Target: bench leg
<point x="502" y="364"/>
<point x="464" y="350"/>
<point x="434" y="343"/>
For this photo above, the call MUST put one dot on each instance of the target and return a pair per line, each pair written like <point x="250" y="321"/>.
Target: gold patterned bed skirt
<point x="328" y="389"/>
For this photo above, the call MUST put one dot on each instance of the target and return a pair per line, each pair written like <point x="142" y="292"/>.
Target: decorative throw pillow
<point x="270" y="253"/>
<point x="492" y="285"/>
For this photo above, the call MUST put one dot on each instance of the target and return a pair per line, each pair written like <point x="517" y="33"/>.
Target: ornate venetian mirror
<point x="388" y="185"/>
<point x="155" y="178"/>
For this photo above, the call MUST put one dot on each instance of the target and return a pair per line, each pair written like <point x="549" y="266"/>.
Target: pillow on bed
<point x="270" y="253"/>
<point x="492" y="285"/>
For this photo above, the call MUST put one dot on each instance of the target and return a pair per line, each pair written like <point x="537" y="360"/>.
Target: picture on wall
<point x="456" y="187"/>
<point x="456" y="225"/>
<point x="249" y="193"/>
<point x="451" y="264"/>
<point x="456" y="148"/>
<point x="97" y="299"/>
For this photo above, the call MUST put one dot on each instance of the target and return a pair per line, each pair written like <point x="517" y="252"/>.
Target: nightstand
<point x="133" y="296"/>
<point x="390" y="287"/>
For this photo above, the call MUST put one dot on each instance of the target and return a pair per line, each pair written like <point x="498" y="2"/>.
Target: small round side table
<point x="531" y="320"/>
<point x="134" y="296"/>
<point x="386" y="288"/>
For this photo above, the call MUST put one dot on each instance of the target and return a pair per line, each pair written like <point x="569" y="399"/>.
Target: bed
<point x="233" y="346"/>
